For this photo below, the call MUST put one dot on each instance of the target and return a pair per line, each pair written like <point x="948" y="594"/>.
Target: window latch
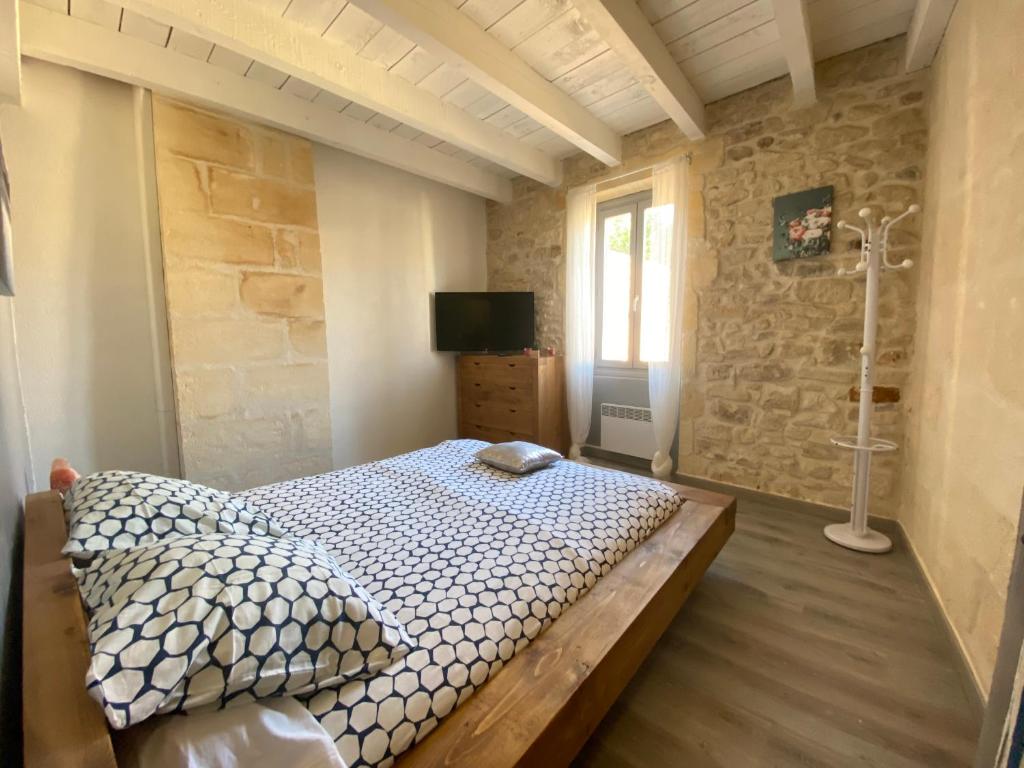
<point x="636" y="303"/>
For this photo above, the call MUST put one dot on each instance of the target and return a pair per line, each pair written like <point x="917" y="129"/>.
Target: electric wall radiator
<point x="627" y="429"/>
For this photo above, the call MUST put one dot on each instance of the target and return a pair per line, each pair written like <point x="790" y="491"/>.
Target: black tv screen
<point x="483" y="322"/>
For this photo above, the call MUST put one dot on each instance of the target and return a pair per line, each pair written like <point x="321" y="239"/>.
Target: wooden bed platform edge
<point x="539" y="710"/>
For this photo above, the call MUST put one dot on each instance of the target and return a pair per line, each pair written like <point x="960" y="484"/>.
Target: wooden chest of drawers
<point x="514" y="397"/>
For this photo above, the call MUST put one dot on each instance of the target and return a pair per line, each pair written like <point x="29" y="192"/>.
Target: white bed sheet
<point x="272" y="732"/>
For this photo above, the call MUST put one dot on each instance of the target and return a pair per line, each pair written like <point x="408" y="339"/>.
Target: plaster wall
<point x="964" y="449"/>
<point x="89" y="306"/>
<point x="390" y="239"/>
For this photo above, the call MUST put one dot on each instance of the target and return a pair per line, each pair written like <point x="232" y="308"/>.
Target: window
<point x="623" y="233"/>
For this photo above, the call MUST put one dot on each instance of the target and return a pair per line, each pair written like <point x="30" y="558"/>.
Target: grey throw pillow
<point x="518" y="457"/>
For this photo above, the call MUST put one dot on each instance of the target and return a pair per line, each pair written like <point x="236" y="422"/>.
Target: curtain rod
<point x="637" y="171"/>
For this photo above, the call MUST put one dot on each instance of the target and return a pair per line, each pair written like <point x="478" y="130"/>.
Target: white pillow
<point x="273" y="732"/>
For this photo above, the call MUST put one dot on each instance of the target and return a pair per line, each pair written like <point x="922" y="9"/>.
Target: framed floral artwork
<point x="802" y="224"/>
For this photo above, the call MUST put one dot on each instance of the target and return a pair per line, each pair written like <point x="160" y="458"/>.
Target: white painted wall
<point x="389" y="240"/>
<point x="14" y="484"/>
<point x="91" y="347"/>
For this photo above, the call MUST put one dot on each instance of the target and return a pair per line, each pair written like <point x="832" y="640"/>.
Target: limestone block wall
<point x="770" y="350"/>
<point x="245" y="306"/>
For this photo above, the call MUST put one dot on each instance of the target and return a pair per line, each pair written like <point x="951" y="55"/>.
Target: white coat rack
<point x="873" y="260"/>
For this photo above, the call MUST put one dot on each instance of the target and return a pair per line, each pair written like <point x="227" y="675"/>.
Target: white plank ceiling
<point x="721" y="46"/>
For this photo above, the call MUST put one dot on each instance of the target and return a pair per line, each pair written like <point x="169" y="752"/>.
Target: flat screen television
<point x="483" y="322"/>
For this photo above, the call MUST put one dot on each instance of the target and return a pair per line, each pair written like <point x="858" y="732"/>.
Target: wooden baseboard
<point x="891" y="527"/>
<point x="976" y="698"/>
<point x="633" y="462"/>
<point x="886" y="525"/>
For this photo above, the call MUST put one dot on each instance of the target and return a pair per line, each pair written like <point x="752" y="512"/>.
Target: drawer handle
<point x="512" y="388"/>
<point x="511" y="410"/>
<point x="511" y="365"/>
<point x="476" y="383"/>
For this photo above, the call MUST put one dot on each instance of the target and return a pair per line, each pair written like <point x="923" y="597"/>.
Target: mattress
<point x="474" y="561"/>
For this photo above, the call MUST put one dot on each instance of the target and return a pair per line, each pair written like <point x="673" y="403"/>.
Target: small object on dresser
<point x="517" y="457"/>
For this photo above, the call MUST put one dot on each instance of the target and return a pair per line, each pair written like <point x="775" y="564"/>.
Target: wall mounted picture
<point x="802" y="224"/>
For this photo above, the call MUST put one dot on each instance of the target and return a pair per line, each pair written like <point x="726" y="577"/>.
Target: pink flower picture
<point x="803" y="224"/>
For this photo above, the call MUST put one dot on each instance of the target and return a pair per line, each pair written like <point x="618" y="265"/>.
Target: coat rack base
<point x="871" y="541"/>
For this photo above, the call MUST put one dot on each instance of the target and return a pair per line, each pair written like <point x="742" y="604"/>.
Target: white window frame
<point x="635" y="204"/>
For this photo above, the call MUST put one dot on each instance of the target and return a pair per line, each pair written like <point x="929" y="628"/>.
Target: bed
<point x="532" y="600"/>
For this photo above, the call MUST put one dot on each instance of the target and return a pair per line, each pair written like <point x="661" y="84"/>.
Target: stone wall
<point x="245" y="304"/>
<point x="770" y="350"/>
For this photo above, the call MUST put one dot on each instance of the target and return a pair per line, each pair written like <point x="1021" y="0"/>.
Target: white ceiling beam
<point x="454" y="37"/>
<point x="72" y="42"/>
<point x="256" y="31"/>
<point x="795" y="34"/>
<point x="927" y="27"/>
<point x="10" y="53"/>
<point x="630" y="35"/>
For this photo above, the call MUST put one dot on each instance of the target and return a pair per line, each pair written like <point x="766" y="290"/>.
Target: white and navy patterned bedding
<point x="120" y="510"/>
<point x="475" y="563"/>
<point x="223" y="619"/>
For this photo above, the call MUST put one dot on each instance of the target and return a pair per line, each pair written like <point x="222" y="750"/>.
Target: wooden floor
<point x="795" y="652"/>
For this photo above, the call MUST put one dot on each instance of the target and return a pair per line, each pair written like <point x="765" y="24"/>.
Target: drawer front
<point x="517" y="371"/>
<point x="513" y="418"/>
<point x="491" y="435"/>
<point x="497" y="393"/>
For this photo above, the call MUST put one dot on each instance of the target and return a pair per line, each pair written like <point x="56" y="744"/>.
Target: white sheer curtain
<point x="581" y="236"/>
<point x="661" y="317"/>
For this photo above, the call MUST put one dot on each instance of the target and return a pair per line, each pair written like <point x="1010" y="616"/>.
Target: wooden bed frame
<point x="539" y="710"/>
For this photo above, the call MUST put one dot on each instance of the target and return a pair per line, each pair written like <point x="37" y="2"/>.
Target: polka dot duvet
<point x="473" y="561"/>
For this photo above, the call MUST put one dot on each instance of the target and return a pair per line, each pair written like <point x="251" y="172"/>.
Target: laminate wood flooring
<point x="795" y="652"/>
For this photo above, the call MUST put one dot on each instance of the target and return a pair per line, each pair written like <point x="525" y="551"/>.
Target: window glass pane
<point x="654" y="321"/>
<point x="615" y="286"/>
